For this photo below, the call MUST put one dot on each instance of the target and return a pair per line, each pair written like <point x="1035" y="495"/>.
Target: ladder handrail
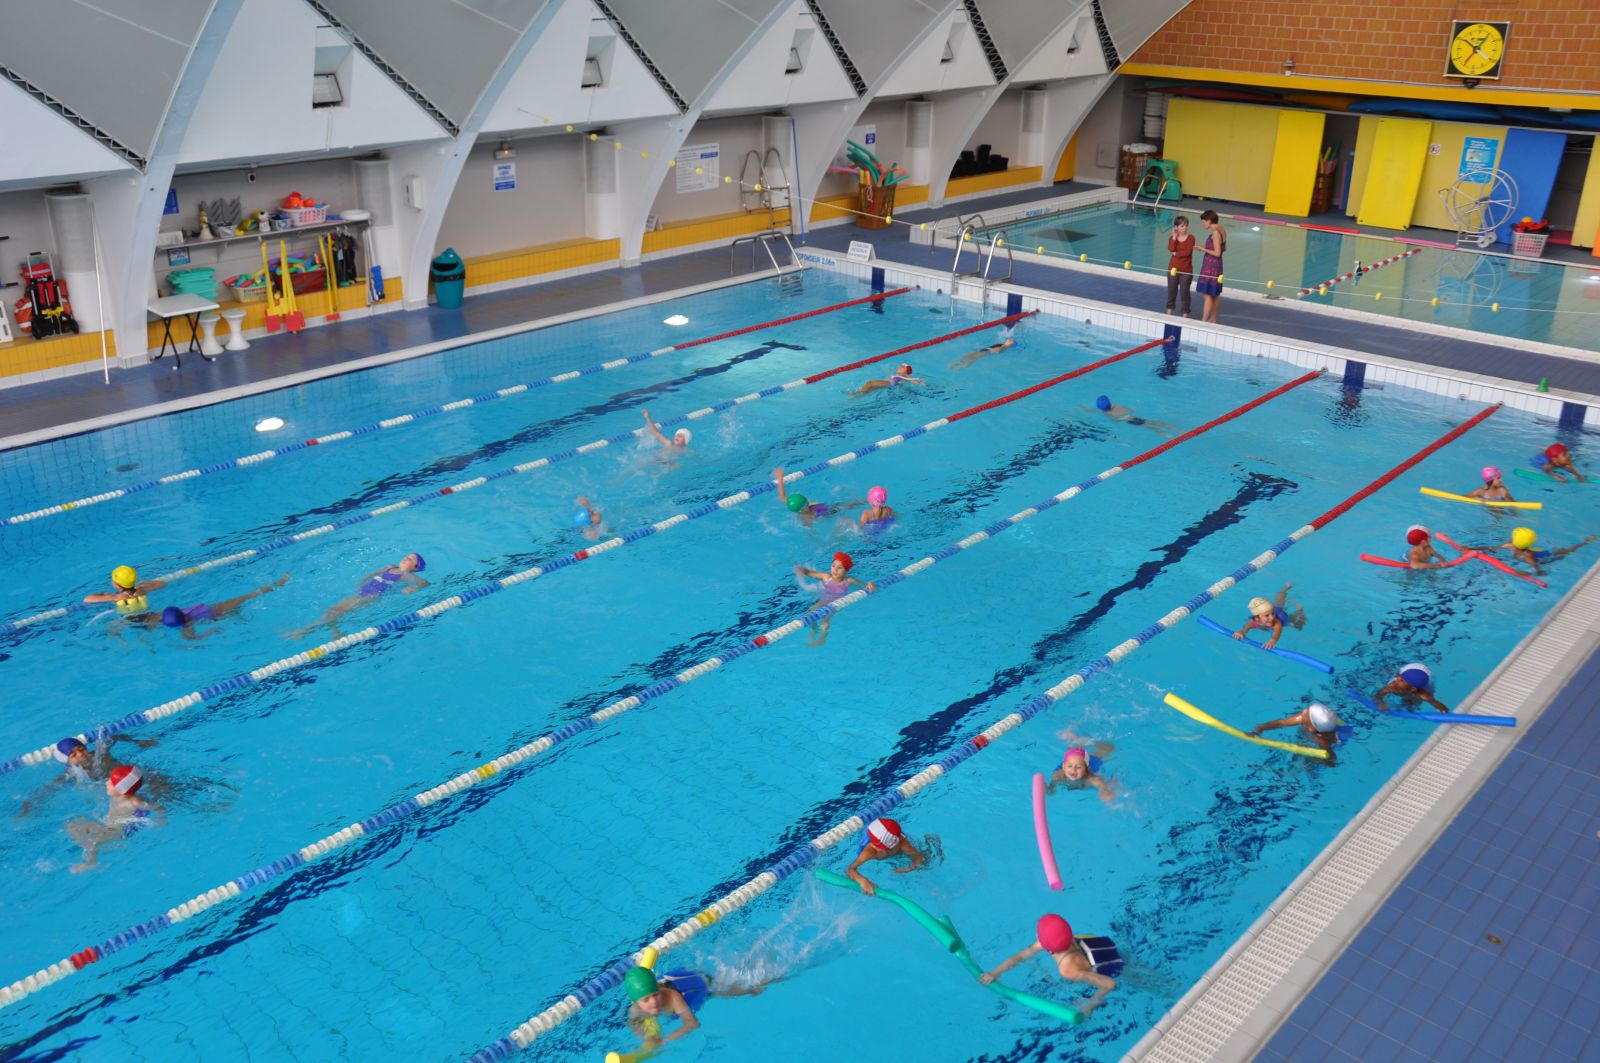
<point x="999" y="239"/>
<point x="763" y="238"/>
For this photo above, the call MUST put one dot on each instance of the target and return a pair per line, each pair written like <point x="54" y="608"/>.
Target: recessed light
<point x="675" y="320"/>
<point x="269" y="424"/>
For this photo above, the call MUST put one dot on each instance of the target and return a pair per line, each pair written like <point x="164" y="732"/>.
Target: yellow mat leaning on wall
<point x="1220" y="147"/>
<point x="1295" y="156"/>
<point x="1399" y="150"/>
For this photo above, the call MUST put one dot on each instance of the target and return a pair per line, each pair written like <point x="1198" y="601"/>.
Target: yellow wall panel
<point x="1398" y="153"/>
<point x="1587" y="228"/>
<point x="1220" y="148"/>
<point x="1366" y="133"/>
<point x="1295" y="153"/>
<point x="1439" y="171"/>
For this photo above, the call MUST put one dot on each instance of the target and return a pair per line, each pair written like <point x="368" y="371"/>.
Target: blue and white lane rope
<point x="525" y="467"/>
<point x="414" y="804"/>
<point x="431" y="411"/>
<point x="803" y="856"/>
<point x="46" y="754"/>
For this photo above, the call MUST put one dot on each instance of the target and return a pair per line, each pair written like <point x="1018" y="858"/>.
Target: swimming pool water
<point x="1517" y="298"/>
<point x="432" y="938"/>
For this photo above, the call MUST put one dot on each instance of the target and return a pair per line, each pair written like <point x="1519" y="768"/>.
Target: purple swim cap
<point x="172" y="616"/>
<point x="421" y="564"/>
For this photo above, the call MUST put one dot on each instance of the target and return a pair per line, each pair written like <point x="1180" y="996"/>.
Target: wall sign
<point x="860" y="251"/>
<point x="699" y="167"/>
<point x="1477" y="153"/>
<point x="505" y="176"/>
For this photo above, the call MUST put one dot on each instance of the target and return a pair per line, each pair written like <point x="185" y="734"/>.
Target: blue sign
<point x="172" y="202"/>
<point x="872" y="137"/>
<point x="1477" y="153"/>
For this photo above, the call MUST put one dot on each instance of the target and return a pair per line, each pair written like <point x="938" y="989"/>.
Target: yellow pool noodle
<point x="1430" y="492"/>
<point x="1211" y="721"/>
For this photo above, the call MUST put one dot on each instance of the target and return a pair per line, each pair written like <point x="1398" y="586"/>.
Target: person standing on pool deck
<point x="1272" y="617"/>
<point x="901" y="375"/>
<point x="835" y="585"/>
<point x="1521" y="547"/>
<point x="186" y="619"/>
<point x="1076" y="960"/>
<point x="1180" y="267"/>
<point x="1413" y="684"/>
<point x="1555" y="460"/>
<point x="1422" y="553"/>
<point x="984" y="352"/>
<point x="126" y="581"/>
<point x="1117" y="412"/>
<point x="1493" y="489"/>
<point x="803" y="507"/>
<point x="1320" y="723"/>
<point x="1209" y="284"/>
<point x="374" y="586"/>
<point x="680" y="438"/>
<point x="884" y="841"/>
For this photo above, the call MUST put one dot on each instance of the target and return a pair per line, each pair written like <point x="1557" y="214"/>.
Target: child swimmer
<point x="1092" y="961"/>
<point x="1080" y="767"/>
<point x="835" y="585"/>
<point x="1271" y="617"/>
<point x="884" y="841"/>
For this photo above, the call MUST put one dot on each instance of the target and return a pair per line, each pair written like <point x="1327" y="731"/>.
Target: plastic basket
<point x="303" y="216"/>
<point x="255" y="294"/>
<point x="1528" y="245"/>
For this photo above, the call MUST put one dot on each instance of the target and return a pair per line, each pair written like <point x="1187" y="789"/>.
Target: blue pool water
<point x="1536" y="300"/>
<point x="433" y="938"/>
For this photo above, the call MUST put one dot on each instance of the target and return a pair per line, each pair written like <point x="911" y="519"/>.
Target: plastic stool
<point x="236" y="340"/>
<point x="209" y="347"/>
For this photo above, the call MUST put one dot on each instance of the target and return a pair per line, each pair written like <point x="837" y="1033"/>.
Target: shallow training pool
<point x="432" y="938"/>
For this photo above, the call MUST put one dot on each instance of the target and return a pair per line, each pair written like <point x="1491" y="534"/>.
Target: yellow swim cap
<point x="1260" y="607"/>
<point x="125" y="577"/>
<point x="1523" y="538"/>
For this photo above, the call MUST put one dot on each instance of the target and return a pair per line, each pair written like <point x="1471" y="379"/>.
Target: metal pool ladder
<point x="791" y="277"/>
<point x="998" y="241"/>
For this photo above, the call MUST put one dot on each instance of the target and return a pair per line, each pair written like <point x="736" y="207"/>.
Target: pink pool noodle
<point x="1041" y="828"/>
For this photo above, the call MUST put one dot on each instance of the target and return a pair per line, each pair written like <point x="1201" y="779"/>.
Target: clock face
<point x="1477" y="49"/>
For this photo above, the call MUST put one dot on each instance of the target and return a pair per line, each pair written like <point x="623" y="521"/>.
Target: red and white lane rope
<point x="431" y="411"/>
<point x="1322" y="289"/>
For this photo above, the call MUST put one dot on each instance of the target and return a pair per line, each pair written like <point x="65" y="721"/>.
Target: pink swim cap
<point x="1490" y="474"/>
<point x="1054" y="933"/>
<point x="877" y="496"/>
<point x="1075" y="751"/>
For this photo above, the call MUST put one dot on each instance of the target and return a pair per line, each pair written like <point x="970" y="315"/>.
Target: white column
<point x="1030" y="139"/>
<point x="602" y="201"/>
<point x="919" y="142"/>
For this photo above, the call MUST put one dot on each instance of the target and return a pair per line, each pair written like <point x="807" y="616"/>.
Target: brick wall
<point x="1553" y="44"/>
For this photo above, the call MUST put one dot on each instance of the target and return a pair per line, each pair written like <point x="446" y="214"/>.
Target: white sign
<point x="505" y="176"/>
<point x="860" y="251"/>
<point x="699" y="167"/>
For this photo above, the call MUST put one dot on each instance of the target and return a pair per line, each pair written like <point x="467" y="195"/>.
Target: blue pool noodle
<point x="1288" y="655"/>
<point x="1438" y="717"/>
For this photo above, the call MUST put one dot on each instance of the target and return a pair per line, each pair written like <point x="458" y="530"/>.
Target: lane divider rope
<point x="525" y="467"/>
<point x="414" y="804"/>
<point x="45" y="754"/>
<point x="803" y="856"/>
<point x="431" y="411"/>
<point x="1322" y="289"/>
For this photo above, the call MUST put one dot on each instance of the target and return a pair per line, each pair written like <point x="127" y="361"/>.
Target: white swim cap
<point x="1323" y="718"/>
<point x="682" y="437"/>
<point x="1260" y="607"/>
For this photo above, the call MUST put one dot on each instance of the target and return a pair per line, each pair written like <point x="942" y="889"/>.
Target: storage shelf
<point x="280" y="234"/>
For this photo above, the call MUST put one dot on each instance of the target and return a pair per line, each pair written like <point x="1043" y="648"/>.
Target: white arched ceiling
<point x="58" y="151"/>
<point x="115" y="64"/>
<point x="923" y="69"/>
<point x="760" y="80"/>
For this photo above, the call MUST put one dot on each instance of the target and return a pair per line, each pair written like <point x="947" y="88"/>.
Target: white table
<point x="171" y="306"/>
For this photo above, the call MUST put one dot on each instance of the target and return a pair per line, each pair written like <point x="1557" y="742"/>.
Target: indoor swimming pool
<point x="1493" y="295"/>
<point x="432" y="936"/>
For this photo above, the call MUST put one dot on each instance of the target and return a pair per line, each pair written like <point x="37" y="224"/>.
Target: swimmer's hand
<point x="872" y="588"/>
<point x="1267" y="645"/>
<point x="986" y="978"/>
<point x="1239" y="635"/>
<point x="1258" y="729"/>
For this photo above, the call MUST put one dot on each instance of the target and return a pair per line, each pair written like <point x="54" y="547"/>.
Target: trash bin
<point x="449" y="275"/>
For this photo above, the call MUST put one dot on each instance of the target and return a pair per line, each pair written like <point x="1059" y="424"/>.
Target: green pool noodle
<point x="944" y="931"/>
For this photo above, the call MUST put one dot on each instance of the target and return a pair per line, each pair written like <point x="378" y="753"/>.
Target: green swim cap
<point x="640" y="982"/>
<point x="797" y="503"/>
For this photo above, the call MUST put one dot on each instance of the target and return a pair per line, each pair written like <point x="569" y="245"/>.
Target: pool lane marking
<point x="282" y="866"/>
<point x="525" y="467"/>
<point x="448" y="407"/>
<point x="1323" y="287"/>
<point x="45" y="754"/>
<point x="803" y="856"/>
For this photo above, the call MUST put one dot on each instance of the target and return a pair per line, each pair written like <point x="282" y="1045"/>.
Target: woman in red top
<point x="1180" y="267"/>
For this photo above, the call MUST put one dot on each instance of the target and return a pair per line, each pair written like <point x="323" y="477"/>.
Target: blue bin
<point x="449" y="275"/>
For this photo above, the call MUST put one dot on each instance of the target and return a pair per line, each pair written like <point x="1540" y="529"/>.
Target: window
<point x="592" y="78"/>
<point x="325" y="90"/>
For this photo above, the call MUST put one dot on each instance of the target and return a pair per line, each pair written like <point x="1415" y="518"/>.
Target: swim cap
<point x="421" y="564"/>
<point x="885" y="833"/>
<point x="1417" y="675"/>
<point x="1260" y="607"/>
<point x="1523" y="538"/>
<point x="640" y="982"/>
<point x="1075" y="751"/>
<point x="844" y="559"/>
<point x="126" y="780"/>
<point x="877" y="496"/>
<point x="797" y="503"/>
<point x="125" y="577"/>
<point x="1490" y="474"/>
<point x="1102" y="403"/>
<point x="1417" y="534"/>
<point x="66" y="747"/>
<point x="682" y="437"/>
<point x="1054" y="933"/>
<point x="172" y="616"/>
<point x="1555" y="450"/>
<point x="1322" y="718"/>
<point x="906" y="366"/>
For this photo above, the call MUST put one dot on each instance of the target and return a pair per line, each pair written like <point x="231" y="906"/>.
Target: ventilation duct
<point x="1030" y="142"/>
<point x="919" y="142"/>
<point x="602" y="203"/>
<point x="72" y="225"/>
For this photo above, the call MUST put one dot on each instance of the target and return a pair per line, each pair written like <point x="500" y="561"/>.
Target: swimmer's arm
<point x="918" y="857"/>
<point x="1242" y="632"/>
<point x="687" y="1023"/>
<point x="1026" y="954"/>
<point x="1377" y="698"/>
<point x="1103" y="787"/>
<point x="1096" y="979"/>
<point x="1287" y="721"/>
<point x="1057" y="777"/>
<point x="1431" y="700"/>
<point x="913" y="380"/>
<point x="857" y="877"/>
<point x="40" y="794"/>
<point x="149" y="585"/>
<point x="98" y="599"/>
<point x="1277" y="633"/>
<point x="783" y="490"/>
<point x="417" y="583"/>
<point x="809" y="573"/>
<point x="654" y="430"/>
<point x="142" y="743"/>
<point x="1102" y="749"/>
<point x="191" y="635"/>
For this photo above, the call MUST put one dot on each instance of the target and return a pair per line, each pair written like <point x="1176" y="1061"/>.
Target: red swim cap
<point x="844" y="559"/>
<point x="1416" y="534"/>
<point x="1054" y="933"/>
<point x="126" y="780"/>
<point x="885" y="834"/>
<point x="1555" y="450"/>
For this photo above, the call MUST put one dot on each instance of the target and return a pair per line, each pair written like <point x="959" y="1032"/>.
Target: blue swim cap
<point x="1417" y="675"/>
<point x="1102" y="403"/>
<point x="421" y="564"/>
<point x="581" y="518"/>
<point x="172" y="616"/>
<point x="66" y="747"/>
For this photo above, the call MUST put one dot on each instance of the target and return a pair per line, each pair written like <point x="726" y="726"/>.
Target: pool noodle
<point x="944" y="932"/>
<point x="1041" y="829"/>
<point x="1211" y="721"/>
<point x="1486" y="559"/>
<point x="1438" y="717"/>
<point x="1288" y="655"/>
<point x="1431" y="493"/>
<point x="1545" y="478"/>
<point x="1373" y="559"/>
